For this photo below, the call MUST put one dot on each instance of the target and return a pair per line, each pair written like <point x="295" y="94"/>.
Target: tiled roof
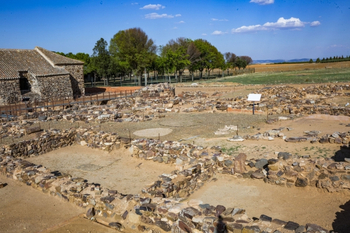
<point x="57" y="59"/>
<point x="14" y="60"/>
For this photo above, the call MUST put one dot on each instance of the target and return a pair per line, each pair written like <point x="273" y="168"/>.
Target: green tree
<point x="318" y="60"/>
<point x="240" y="63"/>
<point x="133" y="47"/>
<point x="209" y="58"/>
<point x="247" y="59"/>
<point x="101" y="59"/>
<point x="311" y="61"/>
<point x="179" y="52"/>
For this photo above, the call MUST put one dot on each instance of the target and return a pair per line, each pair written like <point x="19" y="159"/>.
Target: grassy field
<point x="292" y="77"/>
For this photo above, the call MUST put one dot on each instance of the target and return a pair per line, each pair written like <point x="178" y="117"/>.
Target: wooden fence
<point x="10" y="112"/>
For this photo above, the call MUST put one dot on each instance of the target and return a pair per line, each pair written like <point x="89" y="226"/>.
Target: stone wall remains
<point x="162" y="205"/>
<point x="10" y="92"/>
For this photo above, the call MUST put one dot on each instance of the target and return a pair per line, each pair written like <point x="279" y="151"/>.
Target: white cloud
<point x="181" y="21"/>
<point x="282" y="23"/>
<point x="177" y="15"/>
<point x="315" y="23"/>
<point x="252" y="28"/>
<point x="174" y="27"/>
<point x="285" y="23"/>
<point x="158" y="16"/>
<point x="213" y="19"/>
<point x="152" y="7"/>
<point x="263" y="2"/>
<point x="218" y="33"/>
<point x="204" y="34"/>
<point x="134" y="3"/>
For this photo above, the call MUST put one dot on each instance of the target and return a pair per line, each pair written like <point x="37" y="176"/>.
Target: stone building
<point x="38" y="74"/>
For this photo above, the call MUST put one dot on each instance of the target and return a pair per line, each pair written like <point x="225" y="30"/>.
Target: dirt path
<point x="301" y="205"/>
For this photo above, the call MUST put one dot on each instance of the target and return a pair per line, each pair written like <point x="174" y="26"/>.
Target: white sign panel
<point x="254" y="97"/>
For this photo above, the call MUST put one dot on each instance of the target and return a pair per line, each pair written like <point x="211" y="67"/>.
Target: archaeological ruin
<point x="165" y="204"/>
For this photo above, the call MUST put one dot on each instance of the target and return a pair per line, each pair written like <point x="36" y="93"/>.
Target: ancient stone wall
<point x="9" y="92"/>
<point x="76" y="78"/>
<point x="55" y="86"/>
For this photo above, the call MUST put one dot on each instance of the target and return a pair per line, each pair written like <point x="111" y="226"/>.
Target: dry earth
<point x="24" y="209"/>
<point x="116" y="170"/>
<point x="301" y="205"/>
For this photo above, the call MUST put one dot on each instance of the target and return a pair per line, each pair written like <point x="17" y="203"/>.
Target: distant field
<point x="292" y="77"/>
<point x="297" y="66"/>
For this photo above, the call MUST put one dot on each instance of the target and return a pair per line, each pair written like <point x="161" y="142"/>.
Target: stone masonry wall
<point x="9" y="91"/>
<point x="55" y="86"/>
<point x="77" y="78"/>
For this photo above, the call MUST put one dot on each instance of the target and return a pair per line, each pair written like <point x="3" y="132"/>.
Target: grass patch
<point x="231" y="150"/>
<point x="292" y="77"/>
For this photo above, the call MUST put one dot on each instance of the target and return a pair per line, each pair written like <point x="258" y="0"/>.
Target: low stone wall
<point x="243" y="71"/>
<point x="48" y="141"/>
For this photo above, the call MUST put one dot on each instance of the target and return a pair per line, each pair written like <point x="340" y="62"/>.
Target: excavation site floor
<point x="24" y="209"/>
<point x="115" y="170"/>
<point x="301" y="205"/>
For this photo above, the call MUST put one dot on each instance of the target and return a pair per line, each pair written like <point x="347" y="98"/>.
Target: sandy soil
<point x="301" y="205"/>
<point x="153" y="133"/>
<point x="20" y="211"/>
<point x="115" y="170"/>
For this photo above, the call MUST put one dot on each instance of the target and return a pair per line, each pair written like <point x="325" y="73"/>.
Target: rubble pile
<point x="156" y="90"/>
<point x="12" y="129"/>
<point x="99" y="140"/>
<point x="309" y="136"/>
<point x="309" y="100"/>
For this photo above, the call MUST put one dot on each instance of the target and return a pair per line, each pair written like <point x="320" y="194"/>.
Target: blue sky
<point x="261" y="29"/>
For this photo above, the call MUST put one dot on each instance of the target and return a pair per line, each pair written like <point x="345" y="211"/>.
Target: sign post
<point x="254" y="98"/>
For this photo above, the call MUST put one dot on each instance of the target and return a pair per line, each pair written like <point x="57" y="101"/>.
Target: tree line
<point x="132" y="52"/>
<point x="333" y="59"/>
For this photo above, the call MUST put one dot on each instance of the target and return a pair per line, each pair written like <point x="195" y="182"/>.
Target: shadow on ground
<point x="341" y="154"/>
<point x="341" y="223"/>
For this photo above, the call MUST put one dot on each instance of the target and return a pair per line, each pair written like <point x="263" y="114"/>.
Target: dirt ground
<point x="301" y="205"/>
<point x="24" y="209"/>
<point x="115" y="170"/>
